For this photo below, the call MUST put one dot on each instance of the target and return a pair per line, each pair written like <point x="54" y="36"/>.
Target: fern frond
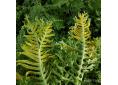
<point x="81" y="27"/>
<point x="81" y="32"/>
<point x="38" y="41"/>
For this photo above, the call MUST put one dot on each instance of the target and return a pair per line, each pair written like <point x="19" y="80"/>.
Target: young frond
<point x="81" y="27"/>
<point x="35" y="48"/>
<point x="81" y="32"/>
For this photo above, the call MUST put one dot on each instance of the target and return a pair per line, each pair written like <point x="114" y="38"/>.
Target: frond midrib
<point x="40" y="58"/>
<point x="83" y="56"/>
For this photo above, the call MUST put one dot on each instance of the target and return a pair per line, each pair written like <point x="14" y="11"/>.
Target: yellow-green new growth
<point x="38" y="41"/>
<point x="81" y="32"/>
<point x="81" y="27"/>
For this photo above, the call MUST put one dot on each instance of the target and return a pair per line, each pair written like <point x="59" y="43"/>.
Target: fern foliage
<point x="66" y="62"/>
<point x="81" y="32"/>
<point x="72" y="56"/>
<point x="36" y="49"/>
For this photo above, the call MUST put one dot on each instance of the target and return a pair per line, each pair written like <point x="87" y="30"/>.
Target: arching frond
<point x="81" y="32"/>
<point x="35" y="48"/>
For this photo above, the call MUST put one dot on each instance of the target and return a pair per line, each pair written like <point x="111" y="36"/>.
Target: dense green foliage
<point x="53" y="46"/>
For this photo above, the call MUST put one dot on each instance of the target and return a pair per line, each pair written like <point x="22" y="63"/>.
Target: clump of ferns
<point x="76" y="57"/>
<point x="36" y="50"/>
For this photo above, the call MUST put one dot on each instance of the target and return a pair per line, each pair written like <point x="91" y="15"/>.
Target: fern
<point x="35" y="48"/>
<point x="74" y="56"/>
<point x="81" y="32"/>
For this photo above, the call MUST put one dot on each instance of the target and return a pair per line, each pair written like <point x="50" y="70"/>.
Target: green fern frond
<point x="38" y="41"/>
<point x="81" y="32"/>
